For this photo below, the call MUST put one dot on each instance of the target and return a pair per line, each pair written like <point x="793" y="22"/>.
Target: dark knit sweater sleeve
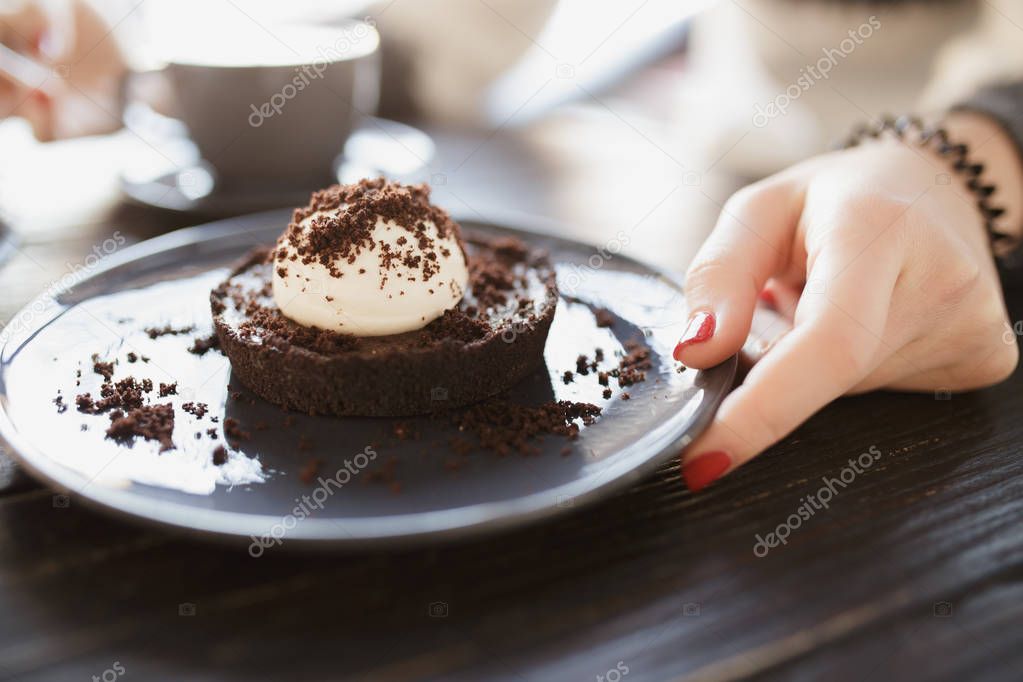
<point x="1004" y="104"/>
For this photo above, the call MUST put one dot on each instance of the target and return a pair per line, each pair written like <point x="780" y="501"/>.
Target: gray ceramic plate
<point x="371" y="486"/>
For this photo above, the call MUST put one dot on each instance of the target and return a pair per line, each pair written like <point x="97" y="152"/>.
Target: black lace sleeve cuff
<point x="1004" y="104"/>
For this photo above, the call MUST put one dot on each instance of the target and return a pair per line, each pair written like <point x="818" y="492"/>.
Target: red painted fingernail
<point x="705" y="469"/>
<point x="768" y="297"/>
<point x="700" y="328"/>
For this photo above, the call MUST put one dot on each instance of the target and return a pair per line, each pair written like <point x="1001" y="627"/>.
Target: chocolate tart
<point x="490" y="341"/>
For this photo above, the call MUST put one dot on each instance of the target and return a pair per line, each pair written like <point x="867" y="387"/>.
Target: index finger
<point x="820" y="359"/>
<point x="750" y="243"/>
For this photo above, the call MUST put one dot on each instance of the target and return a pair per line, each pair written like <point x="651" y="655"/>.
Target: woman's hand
<point x="74" y="43"/>
<point x="878" y="258"/>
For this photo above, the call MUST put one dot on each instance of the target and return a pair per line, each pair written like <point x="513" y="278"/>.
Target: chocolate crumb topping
<point x="344" y="218"/>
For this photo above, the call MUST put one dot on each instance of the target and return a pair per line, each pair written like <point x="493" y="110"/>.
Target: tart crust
<point x="494" y="338"/>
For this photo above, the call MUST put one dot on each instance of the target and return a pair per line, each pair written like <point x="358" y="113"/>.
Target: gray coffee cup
<point x="278" y="112"/>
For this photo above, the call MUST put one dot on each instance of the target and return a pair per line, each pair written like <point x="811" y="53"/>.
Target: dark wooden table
<point x="915" y="571"/>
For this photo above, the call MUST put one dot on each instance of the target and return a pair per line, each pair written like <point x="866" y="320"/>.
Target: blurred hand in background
<point x="81" y="95"/>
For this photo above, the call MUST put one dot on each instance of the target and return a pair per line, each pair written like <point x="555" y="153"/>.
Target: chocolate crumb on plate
<point x="203" y="344"/>
<point x="384" y="474"/>
<point x="403" y="431"/>
<point x="504" y="427"/>
<point x="604" y="317"/>
<point x="219" y="455"/>
<point x="460" y="446"/>
<point x="127" y="393"/>
<point x="198" y="410"/>
<point x="632" y="366"/>
<point x="233" y="432"/>
<point x="167" y="330"/>
<point x="152" y="422"/>
<point x="308" y="472"/>
<point x="104" y="369"/>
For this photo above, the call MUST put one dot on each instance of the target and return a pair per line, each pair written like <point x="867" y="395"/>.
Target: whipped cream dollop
<point x="369" y="259"/>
